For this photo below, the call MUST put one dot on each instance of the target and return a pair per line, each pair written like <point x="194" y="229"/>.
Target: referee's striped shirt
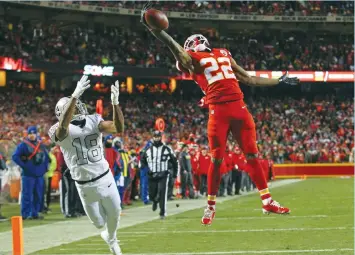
<point x="157" y="158"/>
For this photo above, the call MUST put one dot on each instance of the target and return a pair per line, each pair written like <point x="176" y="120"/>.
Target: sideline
<point x="50" y="235"/>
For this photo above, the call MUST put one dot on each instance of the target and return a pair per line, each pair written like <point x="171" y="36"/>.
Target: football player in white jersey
<point x="79" y="136"/>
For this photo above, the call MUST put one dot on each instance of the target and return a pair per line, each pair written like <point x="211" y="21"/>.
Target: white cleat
<point x="104" y="235"/>
<point x="115" y="248"/>
<point x="113" y="245"/>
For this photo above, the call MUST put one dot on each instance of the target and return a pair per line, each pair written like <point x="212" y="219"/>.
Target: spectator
<point x="33" y="159"/>
<point x="48" y="178"/>
<point x="2" y="169"/>
<point x="123" y="172"/>
<point x="186" y="172"/>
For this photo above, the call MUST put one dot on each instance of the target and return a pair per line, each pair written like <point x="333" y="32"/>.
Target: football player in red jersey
<point x="216" y="72"/>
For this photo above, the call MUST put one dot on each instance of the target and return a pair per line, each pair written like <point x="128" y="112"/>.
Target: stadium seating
<point x="288" y="129"/>
<point x="253" y="50"/>
<point x="305" y="8"/>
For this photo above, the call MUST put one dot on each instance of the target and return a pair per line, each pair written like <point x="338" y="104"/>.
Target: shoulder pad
<point x="53" y="129"/>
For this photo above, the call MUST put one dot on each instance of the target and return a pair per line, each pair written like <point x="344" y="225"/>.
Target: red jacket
<point x="204" y="163"/>
<point x="240" y="161"/>
<point x="110" y="155"/>
<point x="228" y="159"/>
<point x="194" y="164"/>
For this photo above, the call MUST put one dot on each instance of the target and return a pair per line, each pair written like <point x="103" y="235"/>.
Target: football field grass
<point x="321" y="222"/>
<point x="9" y="210"/>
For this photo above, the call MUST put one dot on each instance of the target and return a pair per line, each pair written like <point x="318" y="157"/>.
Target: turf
<point x="322" y="218"/>
<point x="56" y="215"/>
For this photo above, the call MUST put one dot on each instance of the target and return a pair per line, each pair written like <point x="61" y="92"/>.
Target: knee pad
<point x="99" y="224"/>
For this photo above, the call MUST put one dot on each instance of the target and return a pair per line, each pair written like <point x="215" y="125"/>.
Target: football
<point x="156" y="19"/>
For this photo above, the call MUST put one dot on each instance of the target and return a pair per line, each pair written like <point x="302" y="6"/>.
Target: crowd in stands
<point x="253" y="50"/>
<point x="286" y="8"/>
<point x="288" y="129"/>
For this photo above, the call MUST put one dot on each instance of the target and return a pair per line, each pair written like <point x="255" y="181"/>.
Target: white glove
<point x="81" y="86"/>
<point x="115" y="93"/>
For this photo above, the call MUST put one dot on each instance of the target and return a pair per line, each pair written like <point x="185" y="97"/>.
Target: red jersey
<point x="194" y="164"/>
<point x="110" y="155"/>
<point x="214" y="75"/>
<point x="204" y="163"/>
<point x="229" y="159"/>
<point x="240" y="161"/>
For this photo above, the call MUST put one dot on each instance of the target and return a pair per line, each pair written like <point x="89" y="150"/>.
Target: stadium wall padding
<point x="313" y="170"/>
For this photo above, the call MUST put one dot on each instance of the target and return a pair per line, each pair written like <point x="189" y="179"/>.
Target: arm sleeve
<point x="16" y="157"/>
<point x="51" y="134"/>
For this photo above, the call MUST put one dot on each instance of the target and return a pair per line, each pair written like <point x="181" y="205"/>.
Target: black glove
<point x="284" y="79"/>
<point x="146" y="7"/>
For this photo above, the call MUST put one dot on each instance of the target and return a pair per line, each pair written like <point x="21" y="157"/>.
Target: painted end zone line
<point x="235" y="252"/>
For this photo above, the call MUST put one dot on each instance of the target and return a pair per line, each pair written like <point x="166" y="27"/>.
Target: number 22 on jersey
<point x="217" y="69"/>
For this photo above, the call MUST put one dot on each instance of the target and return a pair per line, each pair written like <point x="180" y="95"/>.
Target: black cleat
<point x="155" y="206"/>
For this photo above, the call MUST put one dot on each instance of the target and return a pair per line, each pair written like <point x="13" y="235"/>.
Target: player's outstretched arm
<point x="63" y="127"/>
<point x="245" y="78"/>
<point x="179" y="53"/>
<point x="117" y="125"/>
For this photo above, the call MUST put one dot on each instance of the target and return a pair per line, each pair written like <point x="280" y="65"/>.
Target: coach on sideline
<point x="157" y="157"/>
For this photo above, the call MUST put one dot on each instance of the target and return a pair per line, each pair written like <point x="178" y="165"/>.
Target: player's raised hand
<point x="146" y="7"/>
<point x="115" y="93"/>
<point x="284" y="79"/>
<point x="81" y="86"/>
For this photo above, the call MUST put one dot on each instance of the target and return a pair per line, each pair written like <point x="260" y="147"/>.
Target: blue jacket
<point x="35" y="166"/>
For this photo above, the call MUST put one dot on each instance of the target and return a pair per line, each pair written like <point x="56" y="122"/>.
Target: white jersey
<point x="82" y="149"/>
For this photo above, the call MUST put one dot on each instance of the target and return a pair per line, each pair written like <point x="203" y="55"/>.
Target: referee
<point x="157" y="157"/>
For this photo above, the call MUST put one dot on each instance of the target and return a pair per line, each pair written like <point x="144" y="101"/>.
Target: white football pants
<point x="102" y="203"/>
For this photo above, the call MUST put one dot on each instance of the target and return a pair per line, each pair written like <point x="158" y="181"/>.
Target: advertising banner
<point x="191" y="15"/>
<point x="7" y="63"/>
<point x="304" y="76"/>
<point x="313" y="170"/>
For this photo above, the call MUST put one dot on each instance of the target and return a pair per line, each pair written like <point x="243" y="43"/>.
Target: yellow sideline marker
<point x="17" y="235"/>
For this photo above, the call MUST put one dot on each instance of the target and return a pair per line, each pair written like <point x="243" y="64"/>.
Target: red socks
<point x="211" y="200"/>
<point x="256" y="173"/>
<point x="213" y="181"/>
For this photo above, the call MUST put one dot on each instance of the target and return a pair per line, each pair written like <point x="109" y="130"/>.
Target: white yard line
<point x="55" y="234"/>
<point x="245" y="252"/>
<point x="237" y="252"/>
<point x="209" y="231"/>
<point x="252" y="218"/>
